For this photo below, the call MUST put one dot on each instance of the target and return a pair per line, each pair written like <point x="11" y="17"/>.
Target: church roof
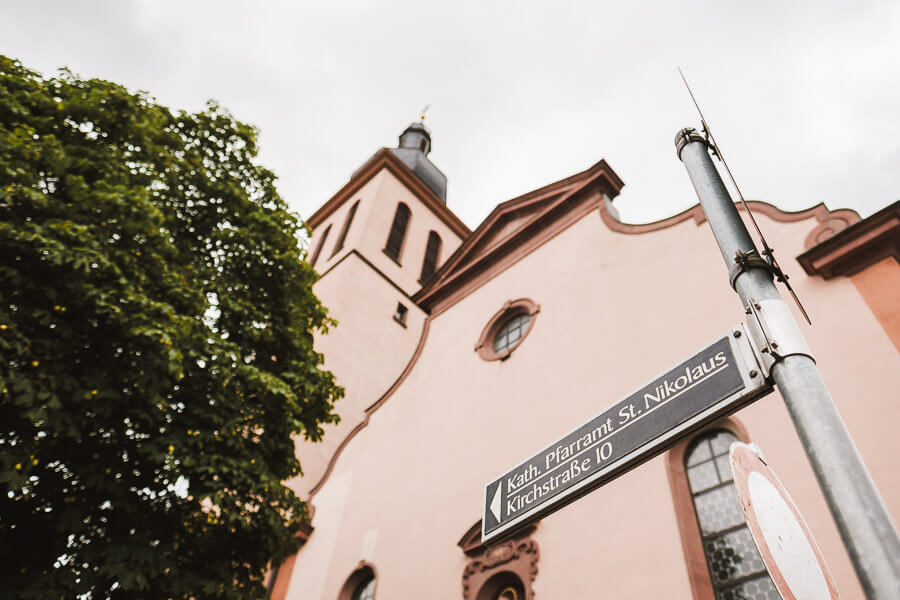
<point x="386" y="159"/>
<point x="514" y="228"/>
<point x="413" y="150"/>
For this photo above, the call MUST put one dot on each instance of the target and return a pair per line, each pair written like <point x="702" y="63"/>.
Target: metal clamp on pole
<point x="744" y="261"/>
<point x="774" y="333"/>
<point x="685" y="137"/>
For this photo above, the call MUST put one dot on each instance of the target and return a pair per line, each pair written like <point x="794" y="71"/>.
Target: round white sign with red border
<point x="782" y="536"/>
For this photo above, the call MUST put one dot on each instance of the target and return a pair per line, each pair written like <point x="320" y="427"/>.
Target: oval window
<point x="511" y="332"/>
<point x="506" y="329"/>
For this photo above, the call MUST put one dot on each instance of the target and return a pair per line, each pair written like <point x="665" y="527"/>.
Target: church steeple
<point x="416" y="136"/>
<point x="413" y="150"/>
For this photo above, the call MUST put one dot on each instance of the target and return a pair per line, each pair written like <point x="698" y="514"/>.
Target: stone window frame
<point x="516" y="558"/>
<point x="511" y="308"/>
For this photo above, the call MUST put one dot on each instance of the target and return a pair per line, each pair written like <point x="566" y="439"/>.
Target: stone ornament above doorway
<point x="510" y="562"/>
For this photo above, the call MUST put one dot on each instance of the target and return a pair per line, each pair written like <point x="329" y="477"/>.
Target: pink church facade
<point x="463" y="352"/>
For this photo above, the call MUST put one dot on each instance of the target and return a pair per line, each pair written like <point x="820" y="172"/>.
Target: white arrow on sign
<point x="495" y="503"/>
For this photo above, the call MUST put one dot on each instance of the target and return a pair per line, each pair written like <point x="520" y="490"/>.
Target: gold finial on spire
<point x="424" y="110"/>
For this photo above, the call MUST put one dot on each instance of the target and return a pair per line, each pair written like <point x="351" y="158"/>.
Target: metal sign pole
<point x="860" y="513"/>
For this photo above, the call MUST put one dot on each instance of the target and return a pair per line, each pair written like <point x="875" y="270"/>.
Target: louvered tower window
<point x="432" y="251"/>
<point x="318" y="250"/>
<point x="398" y="232"/>
<point x="735" y="567"/>
<point x="345" y="229"/>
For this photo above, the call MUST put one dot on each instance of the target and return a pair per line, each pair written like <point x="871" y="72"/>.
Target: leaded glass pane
<point x="723" y="464"/>
<point x="758" y="588"/>
<point x="511" y="332"/>
<point x="721" y="442"/>
<point x="699" y="453"/>
<point x="730" y="552"/>
<point x="718" y="509"/>
<point x="732" y="556"/>
<point x="500" y="343"/>
<point x="703" y="476"/>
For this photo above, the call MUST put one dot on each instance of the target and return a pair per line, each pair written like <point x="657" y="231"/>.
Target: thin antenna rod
<point x="768" y="252"/>
<point x="715" y="146"/>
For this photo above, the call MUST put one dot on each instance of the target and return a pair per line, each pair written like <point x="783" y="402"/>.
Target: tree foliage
<point x="156" y="348"/>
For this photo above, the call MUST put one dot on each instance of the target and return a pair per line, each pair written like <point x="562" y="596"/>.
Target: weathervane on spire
<point x="424" y="110"/>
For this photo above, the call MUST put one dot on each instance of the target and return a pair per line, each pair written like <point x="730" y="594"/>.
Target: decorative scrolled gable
<point x="843" y="251"/>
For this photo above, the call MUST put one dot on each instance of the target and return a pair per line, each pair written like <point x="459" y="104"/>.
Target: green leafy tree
<point x="156" y="348"/>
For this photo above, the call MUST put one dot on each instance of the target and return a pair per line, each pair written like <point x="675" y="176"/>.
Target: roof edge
<point x="564" y="188"/>
<point x="385" y="159"/>
<point x="819" y="211"/>
<point x="854" y="248"/>
<point x="432" y="297"/>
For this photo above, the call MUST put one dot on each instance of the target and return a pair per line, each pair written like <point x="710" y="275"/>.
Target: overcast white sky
<point x="803" y="96"/>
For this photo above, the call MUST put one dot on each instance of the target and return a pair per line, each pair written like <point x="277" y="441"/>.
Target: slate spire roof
<point x="415" y="144"/>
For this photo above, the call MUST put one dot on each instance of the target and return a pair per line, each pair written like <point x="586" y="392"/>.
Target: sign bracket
<point x="774" y="333"/>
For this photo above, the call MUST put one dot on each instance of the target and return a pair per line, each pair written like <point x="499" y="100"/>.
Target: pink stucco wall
<point x="368" y="349"/>
<point x="616" y="310"/>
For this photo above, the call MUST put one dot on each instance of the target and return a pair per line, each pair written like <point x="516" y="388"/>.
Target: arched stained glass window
<point x="398" y="232"/>
<point x="432" y="250"/>
<point x="318" y="250"/>
<point x="735" y="567"/>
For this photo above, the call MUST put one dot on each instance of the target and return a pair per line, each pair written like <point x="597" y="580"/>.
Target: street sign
<point x="785" y="543"/>
<point x="716" y="381"/>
